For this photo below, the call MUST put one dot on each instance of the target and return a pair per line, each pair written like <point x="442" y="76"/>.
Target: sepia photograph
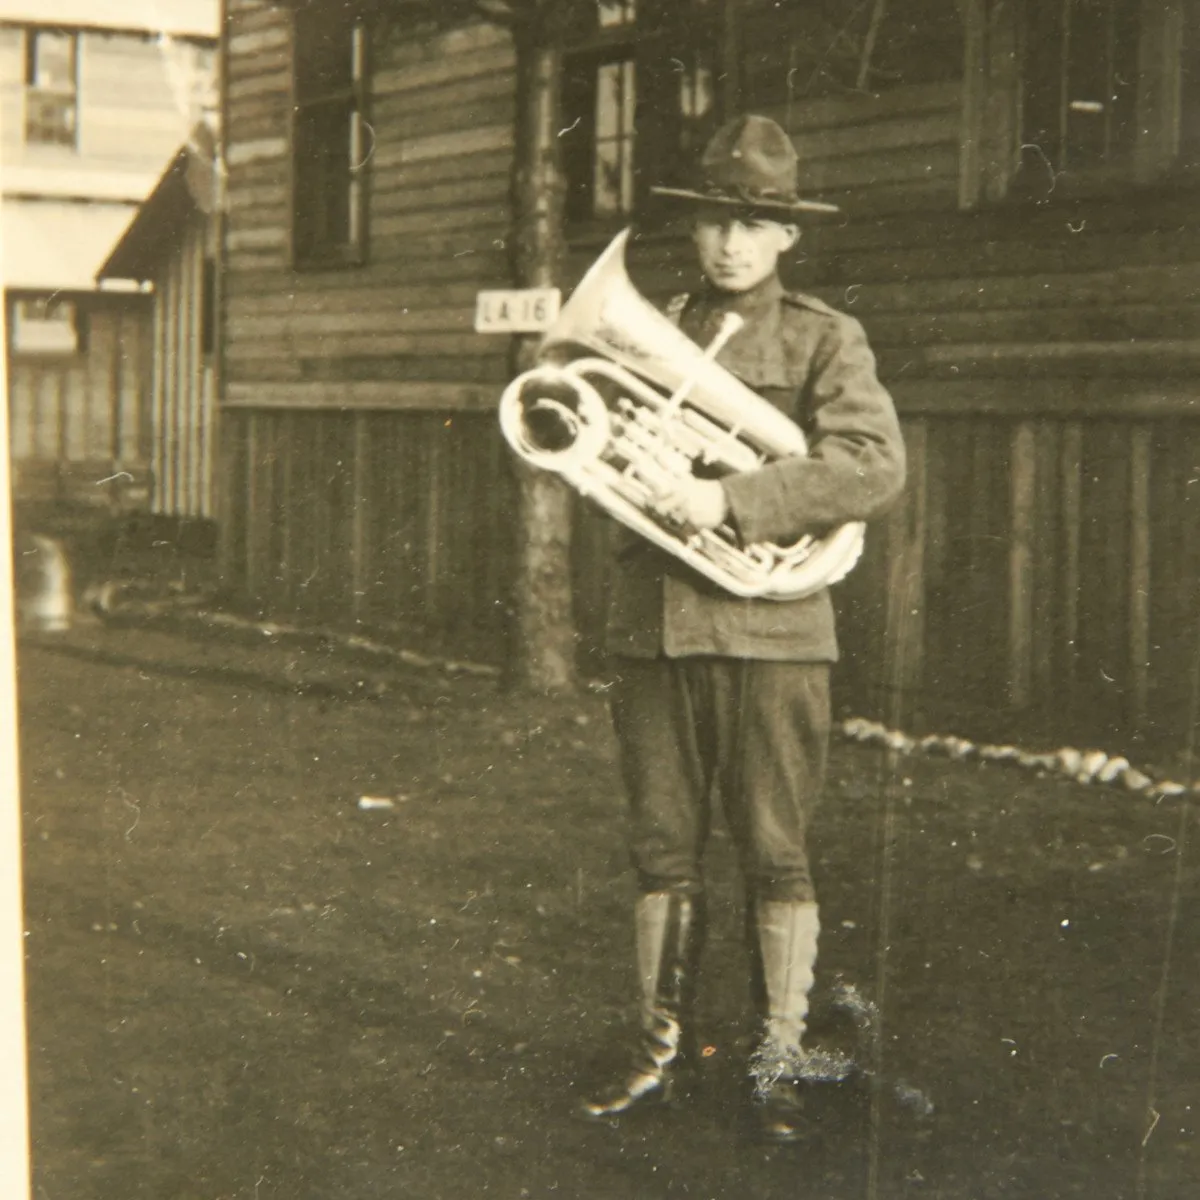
<point x="604" y="599"/>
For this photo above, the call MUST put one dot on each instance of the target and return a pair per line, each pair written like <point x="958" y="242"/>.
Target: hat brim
<point x="745" y="203"/>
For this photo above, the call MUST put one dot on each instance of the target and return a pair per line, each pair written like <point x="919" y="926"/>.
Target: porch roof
<point x="186" y="188"/>
<point x="57" y="245"/>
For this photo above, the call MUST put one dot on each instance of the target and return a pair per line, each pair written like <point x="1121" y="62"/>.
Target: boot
<point x="670" y="930"/>
<point x="787" y="933"/>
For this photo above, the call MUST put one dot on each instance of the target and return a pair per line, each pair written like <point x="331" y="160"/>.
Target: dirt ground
<point x="243" y="985"/>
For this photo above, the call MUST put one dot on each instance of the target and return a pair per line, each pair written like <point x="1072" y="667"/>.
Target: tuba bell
<point x="623" y="403"/>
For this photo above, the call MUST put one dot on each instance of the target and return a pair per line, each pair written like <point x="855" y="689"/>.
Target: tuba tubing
<point x="624" y="403"/>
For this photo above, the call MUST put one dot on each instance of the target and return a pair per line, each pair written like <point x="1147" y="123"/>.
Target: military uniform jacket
<point x="814" y="364"/>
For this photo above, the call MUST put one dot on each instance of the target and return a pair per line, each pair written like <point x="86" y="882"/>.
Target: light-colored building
<point x="96" y="96"/>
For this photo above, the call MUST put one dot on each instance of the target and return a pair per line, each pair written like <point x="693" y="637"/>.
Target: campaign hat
<point x="750" y="164"/>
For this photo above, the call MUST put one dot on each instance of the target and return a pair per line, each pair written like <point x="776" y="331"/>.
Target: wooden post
<point x="544" y="657"/>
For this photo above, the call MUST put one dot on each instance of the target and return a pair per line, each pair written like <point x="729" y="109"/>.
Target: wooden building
<point x="95" y="95"/>
<point x="1016" y="181"/>
<point x="171" y="246"/>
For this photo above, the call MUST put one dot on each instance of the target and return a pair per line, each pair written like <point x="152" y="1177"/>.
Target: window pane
<point x="51" y="60"/>
<point x="49" y="118"/>
<point x="614" y="123"/>
<point x="609" y="79"/>
<point x="326" y="53"/>
<point x="608" y="189"/>
<point x="39" y="328"/>
<point x="331" y="60"/>
<point x="696" y="91"/>
<point x="1099" y="85"/>
<point x="1081" y="75"/>
<point x="323" y="186"/>
<point x="616" y="12"/>
<point x="1189" y="117"/>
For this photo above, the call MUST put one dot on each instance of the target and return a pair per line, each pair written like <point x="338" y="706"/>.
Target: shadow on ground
<point x="243" y="985"/>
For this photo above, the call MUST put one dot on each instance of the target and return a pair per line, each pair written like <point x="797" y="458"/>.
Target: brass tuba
<point x="645" y="406"/>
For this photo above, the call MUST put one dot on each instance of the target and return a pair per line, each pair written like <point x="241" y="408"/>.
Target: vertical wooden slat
<point x="360" y="498"/>
<point x="1139" y="574"/>
<point x="45" y="412"/>
<point x="158" y="404"/>
<point x="98" y="390"/>
<point x="207" y="438"/>
<point x="191" y="303"/>
<point x="22" y="411"/>
<point x="75" y="413"/>
<point x="182" y="374"/>
<point x="252" y="489"/>
<point x="1023" y="501"/>
<point x="114" y="326"/>
<point x="1047" y="593"/>
<point x="181" y="378"/>
<point x="287" y="443"/>
<point x="170" y="397"/>
<point x="432" y="532"/>
<point x="143" y="445"/>
<point x="1072" y="522"/>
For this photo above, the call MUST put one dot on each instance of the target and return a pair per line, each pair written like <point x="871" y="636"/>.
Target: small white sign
<point x="517" y="310"/>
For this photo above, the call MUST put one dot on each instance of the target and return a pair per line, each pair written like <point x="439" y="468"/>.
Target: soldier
<point x="710" y="689"/>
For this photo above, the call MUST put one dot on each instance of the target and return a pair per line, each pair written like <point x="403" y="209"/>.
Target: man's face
<point x="738" y="252"/>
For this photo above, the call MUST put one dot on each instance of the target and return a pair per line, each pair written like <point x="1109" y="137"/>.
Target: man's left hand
<point x="695" y="503"/>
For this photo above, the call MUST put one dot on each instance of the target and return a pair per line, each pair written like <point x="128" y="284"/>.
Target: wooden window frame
<point x="591" y="46"/>
<point x="592" y="61"/>
<point x="354" y="98"/>
<point x="36" y="95"/>
<point x="992" y="131"/>
<point x="48" y="303"/>
<point x="662" y="45"/>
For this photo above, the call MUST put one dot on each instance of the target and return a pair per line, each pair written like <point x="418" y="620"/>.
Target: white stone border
<point x="1083" y="766"/>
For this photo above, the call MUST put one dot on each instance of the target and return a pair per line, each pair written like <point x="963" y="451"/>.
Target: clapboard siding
<point x="1043" y="366"/>
<point x="1038" y="577"/>
<point x="873" y="152"/>
<point x="366" y="480"/>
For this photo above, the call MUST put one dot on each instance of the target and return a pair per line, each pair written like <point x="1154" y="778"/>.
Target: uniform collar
<point x="760" y="297"/>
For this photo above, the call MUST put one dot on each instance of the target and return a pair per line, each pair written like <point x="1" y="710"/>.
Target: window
<point x="599" y="100"/>
<point x="634" y="107"/>
<point x="697" y="100"/>
<point x="330" y="138"/>
<point x="51" y="87"/>
<point x="47" y="328"/>
<point x="1189" y="117"/>
<point x="612" y="13"/>
<point x="1081" y="70"/>
<point x="797" y="52"/>
<point x="599" y="105"/>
